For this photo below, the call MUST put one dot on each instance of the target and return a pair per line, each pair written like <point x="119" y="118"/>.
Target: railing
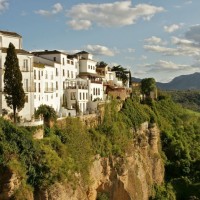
<point x="49" y="90"/>
<point x="29" y="89"/>
<point x="98" y="82"/>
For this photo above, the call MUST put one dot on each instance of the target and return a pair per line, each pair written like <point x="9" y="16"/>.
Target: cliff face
<point x="127" y="178"/>
<point x="131" y="177"/>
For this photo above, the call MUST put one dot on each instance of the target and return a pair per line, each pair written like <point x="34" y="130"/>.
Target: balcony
<point x="29" y="89"/>
<point x="96" y="81"/>
<point x="49" y="90"/>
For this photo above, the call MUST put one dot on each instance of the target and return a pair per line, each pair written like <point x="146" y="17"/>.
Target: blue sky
<point x="157" y="38"/>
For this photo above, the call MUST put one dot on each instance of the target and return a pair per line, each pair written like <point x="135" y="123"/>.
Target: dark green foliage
<point x="49" y="114"/>
<point x="163" y="192"/>
<point x="188" y="99"/>
<point x="121" y="73"/>
<point x="13" y="87"/>
<point x="103" y="196"/>
<point x="148" y="85"/>
<point x="180" y="136"/>
<point x="113" y="136"/>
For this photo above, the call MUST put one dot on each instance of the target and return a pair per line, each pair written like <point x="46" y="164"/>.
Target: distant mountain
<point x="183" y="82"/>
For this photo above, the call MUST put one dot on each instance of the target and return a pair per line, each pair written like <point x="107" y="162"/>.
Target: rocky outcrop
<point x="133" y="176"/>
<point x="127" y="178"/>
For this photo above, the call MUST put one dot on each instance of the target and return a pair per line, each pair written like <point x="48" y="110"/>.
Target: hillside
<point x="118" y="159"/>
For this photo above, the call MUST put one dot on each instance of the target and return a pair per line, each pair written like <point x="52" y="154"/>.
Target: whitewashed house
<point x="26" y="67"/>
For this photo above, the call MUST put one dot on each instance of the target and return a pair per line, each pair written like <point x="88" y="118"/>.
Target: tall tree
<point x="48" y="113"/>
<point x="13" y="87"/>
<point x="148" y="85"/>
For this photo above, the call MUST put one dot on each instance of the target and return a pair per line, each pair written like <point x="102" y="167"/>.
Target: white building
<point x="26" y="67"/>
<point x="68" y="83"/>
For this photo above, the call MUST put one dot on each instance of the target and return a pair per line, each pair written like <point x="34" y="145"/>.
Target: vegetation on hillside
<point x="66" y="153"/>
<point x="189" y="99"/>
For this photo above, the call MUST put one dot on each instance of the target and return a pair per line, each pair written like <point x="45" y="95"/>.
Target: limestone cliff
<point x="127" y="178"/>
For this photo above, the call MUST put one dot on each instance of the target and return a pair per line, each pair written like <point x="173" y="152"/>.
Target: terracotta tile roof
<point x="10" y="33"/>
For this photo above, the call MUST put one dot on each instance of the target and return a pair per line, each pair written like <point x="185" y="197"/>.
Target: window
<point x="68" y="61"/>
<point x="39" y="75"/>
<point x="86" y="96"/>
<point x="52" y="87"/>
<point x="80" y="96"/>
<point x="54" y="58"/>
<point x="63" y="72"/>
<point x="56" y="71"/>
<point x="46" y="86"/>
<point x="38" y="87"/>
<point x="63" y="85"/>
<point x="72" y="75"/>
<point x="93" y="91"/>
<point x="73" y="96"/>
<point x="68" y="73"/>
<point x="46" y="75"/>
<point x="72" y="62"/>
<point x="25" y="66"/>
<point x="83" y="96"/>
<point x="34" y="87"/>
<point x="98" y="91"/>
<point x="56" y="85"/>
<point x="26" y="85"/>
<point x="26" y="98"/>
<point x="34" y="74"/>
<point x="63" y="61"/>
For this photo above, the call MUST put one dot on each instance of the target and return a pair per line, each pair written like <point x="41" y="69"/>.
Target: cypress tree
<point x="13" y="87"/>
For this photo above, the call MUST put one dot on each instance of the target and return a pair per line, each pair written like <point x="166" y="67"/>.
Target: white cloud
<point x="80" y="24"/>
<point x="56" y="8"/>
<point x="3" y="5"/>
<point x="188" y="2"/>
<point x="167" y="65"/>
<point x="155" y="40"/>
<point x="131" y="50"/>
<point x="115" y="14"/>
<point x="101" y="50"/>
<point x="182" y="42"/>
<point x="172" y="28"/>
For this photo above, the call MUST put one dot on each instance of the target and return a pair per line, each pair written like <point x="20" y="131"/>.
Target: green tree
<point x="148" y="85"/>
<point x="13" y="87"/>
<point x="47" y="112"/>
<point x="121" y="73"/>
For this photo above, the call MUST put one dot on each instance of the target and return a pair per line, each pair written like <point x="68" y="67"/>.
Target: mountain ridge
<point x="182" y="82"/>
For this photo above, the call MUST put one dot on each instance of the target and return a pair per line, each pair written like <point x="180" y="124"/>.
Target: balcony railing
<point x="97" y="82"/>
<point x="49" y="90"/>
<point x="29" y="89"/>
